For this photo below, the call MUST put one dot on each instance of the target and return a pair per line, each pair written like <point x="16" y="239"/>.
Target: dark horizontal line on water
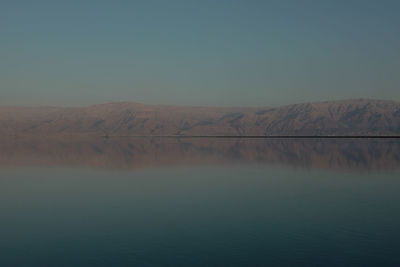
<point x="260" y="136"/>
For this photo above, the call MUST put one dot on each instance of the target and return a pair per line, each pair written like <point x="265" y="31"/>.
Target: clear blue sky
<point x="221" y="52"/>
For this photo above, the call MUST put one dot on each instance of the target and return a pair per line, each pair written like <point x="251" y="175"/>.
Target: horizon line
<point x="199" y="106"/>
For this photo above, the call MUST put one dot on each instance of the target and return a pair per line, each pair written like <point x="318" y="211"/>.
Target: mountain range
<point x="332" y="118"/>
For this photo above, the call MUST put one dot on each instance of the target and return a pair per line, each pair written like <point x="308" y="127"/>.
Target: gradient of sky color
<point x="220" y="53"/>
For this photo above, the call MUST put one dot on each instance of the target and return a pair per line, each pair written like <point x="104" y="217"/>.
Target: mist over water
<point x="199" y="202"/>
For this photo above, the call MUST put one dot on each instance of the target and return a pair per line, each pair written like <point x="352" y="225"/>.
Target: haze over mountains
<point x="337" y="118"/>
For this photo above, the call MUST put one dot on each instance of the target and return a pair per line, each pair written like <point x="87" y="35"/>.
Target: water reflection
<point x="133" y="153"/>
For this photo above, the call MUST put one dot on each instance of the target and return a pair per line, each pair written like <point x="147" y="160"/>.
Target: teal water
<point x="257" y="204"/>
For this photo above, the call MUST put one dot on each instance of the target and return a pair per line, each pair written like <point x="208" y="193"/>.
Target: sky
<point x="208" y="53"/>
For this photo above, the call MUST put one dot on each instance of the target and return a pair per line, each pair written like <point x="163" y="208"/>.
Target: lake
<point x="199" y="202"/>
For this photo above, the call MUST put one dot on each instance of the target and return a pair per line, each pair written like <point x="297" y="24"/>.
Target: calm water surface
<point x="199" y="202"/>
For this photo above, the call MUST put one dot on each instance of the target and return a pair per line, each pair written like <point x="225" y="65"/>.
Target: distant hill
<point x="348" y="117"/>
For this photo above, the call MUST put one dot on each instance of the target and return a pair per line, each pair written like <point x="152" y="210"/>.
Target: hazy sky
<point x="220" y="52"/>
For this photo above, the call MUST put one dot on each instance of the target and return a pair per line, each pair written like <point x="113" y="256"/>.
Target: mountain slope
<point x="349" y="117"/>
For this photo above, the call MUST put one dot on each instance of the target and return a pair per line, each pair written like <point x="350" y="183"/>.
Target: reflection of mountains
<point x="131" y="153"/>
